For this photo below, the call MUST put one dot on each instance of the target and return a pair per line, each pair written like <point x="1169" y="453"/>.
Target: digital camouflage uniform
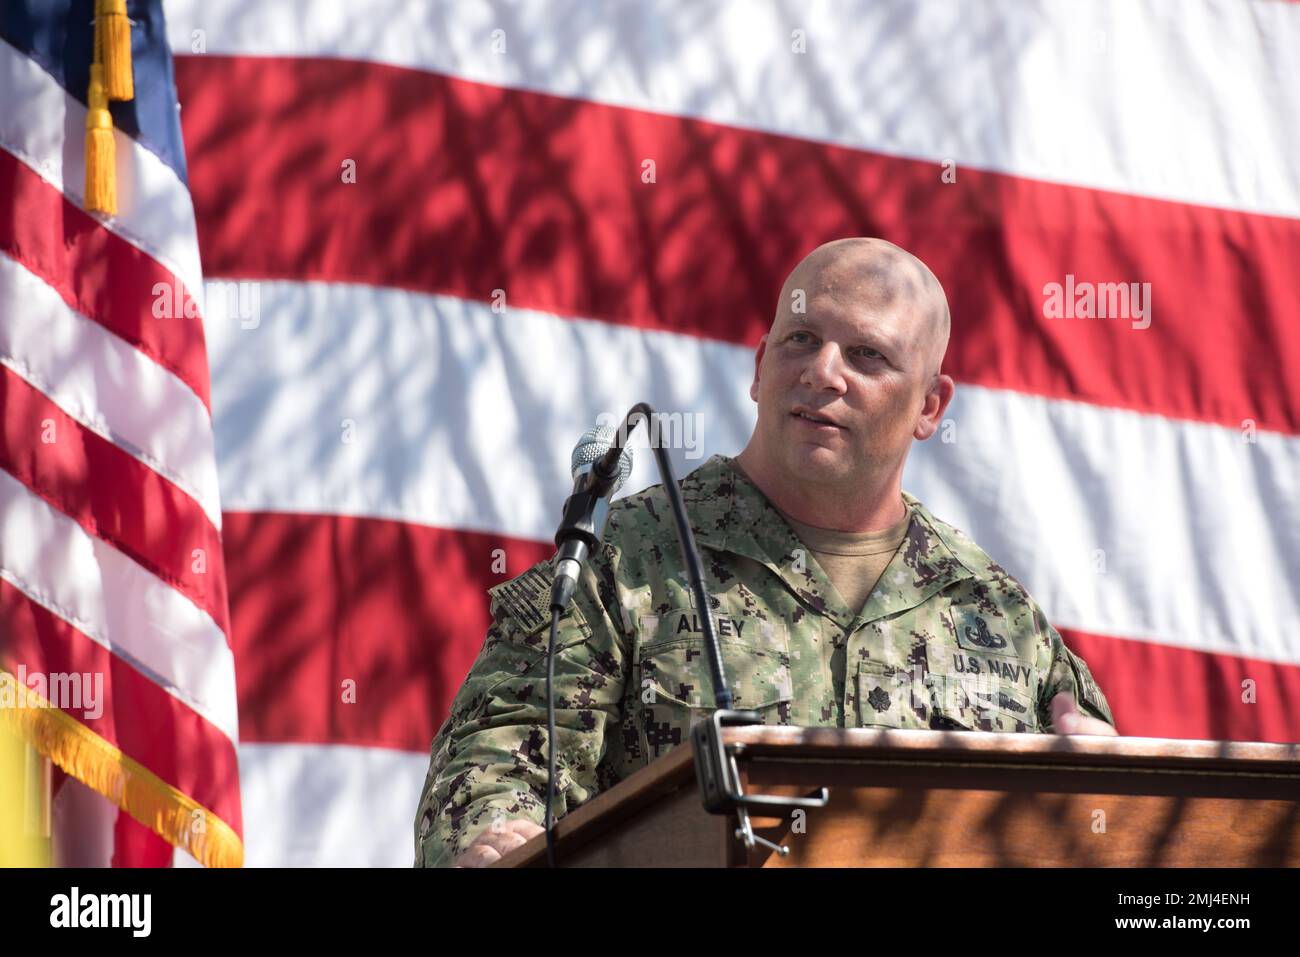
<point x="947" y="640"/>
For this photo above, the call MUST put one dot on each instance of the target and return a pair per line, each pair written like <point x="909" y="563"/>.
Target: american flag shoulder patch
<point x="526" y="598"/>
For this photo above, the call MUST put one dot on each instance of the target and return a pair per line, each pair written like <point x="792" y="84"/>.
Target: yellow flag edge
<point x="171" y="814"/>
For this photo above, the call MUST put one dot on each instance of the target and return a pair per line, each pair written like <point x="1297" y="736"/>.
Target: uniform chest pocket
<point x="984" y="677"/>
<point x="676" y="687"/>
<point x="967" y="703"/>
<point x="890" y="698"/>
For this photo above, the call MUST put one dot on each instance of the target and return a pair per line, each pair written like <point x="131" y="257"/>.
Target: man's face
<point x="858" y="357"/>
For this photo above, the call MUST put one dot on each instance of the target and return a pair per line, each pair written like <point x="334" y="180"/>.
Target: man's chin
<point x="817" y="463"/>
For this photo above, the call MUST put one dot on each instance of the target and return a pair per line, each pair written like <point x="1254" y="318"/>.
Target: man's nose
<point x="824" y="370"/>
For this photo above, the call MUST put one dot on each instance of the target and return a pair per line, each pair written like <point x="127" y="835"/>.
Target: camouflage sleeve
<point x="488" y="760"/>
<point x="1066" y="672"/>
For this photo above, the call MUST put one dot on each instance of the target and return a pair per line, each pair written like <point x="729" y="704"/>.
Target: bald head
<point x="877" y="273"/>
<point x="847" y="378"/>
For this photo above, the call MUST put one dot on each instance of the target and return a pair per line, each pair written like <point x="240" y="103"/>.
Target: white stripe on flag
<point x="107" y="385"/>
<point x="329" y="805"/>
<point x="1112" y="94"/>
<point x="450" y="415"/>
<point x="117" y="603"/>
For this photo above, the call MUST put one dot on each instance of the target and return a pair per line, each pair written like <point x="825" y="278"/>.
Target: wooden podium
<point x="952" y="799"/>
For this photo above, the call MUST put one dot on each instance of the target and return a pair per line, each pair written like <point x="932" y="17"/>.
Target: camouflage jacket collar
<point x="741" y="520"/>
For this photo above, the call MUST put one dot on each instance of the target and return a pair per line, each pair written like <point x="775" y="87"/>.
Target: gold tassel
<point x="110" y="17"/>
<point x="101" y="165"/>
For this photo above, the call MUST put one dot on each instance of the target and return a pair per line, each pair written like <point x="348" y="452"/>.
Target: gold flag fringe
<point x="171" y="814"/>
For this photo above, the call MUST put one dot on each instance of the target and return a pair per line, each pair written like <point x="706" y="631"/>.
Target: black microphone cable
<point x="550" y="739"/>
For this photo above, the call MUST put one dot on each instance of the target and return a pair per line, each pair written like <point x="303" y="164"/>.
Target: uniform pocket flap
<point x="966" y="703"/>
<point x="887" y="698"/>
<point x="678" y="672"/>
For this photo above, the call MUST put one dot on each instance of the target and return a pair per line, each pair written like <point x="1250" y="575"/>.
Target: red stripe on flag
<point x="402" y="610"/>
<point x="139" y="718"/>
<point x="110" y="494"/>
<point x="135" y="845"/>
<point x="463" y="188"/>
<point x="397" y="609"/>
<point x="1162" y="691"/>
<point x="100" y="274"/>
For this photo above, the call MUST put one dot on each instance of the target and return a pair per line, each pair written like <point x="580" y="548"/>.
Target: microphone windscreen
<point x="592" y="446"/>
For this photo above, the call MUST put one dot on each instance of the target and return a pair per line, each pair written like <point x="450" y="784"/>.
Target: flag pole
<point x="37" y="817"/>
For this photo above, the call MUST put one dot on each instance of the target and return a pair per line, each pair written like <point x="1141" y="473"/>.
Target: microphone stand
<point x="581" y="529"/>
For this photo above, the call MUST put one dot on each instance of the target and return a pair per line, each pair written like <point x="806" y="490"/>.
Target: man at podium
<point x="839" y="600"/>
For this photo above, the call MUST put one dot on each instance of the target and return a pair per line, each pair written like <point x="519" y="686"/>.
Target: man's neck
<point x="868" y="506"/>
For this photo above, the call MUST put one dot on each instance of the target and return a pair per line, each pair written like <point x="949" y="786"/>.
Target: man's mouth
<point x="814" y="418"/>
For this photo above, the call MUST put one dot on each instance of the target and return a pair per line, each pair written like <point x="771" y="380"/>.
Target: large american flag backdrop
<point x="447" y="236"/>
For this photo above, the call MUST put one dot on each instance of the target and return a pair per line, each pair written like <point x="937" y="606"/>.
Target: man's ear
<point x="758" y="361"/>
<point x="936" y="403"/>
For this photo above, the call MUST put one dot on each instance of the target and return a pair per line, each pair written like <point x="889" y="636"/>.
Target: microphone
<point x="597" y="475"/>
<point x="595" y="480"/>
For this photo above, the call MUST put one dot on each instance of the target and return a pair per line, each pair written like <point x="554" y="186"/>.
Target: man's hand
<point x="498" y="841"/>
<point x="1068" y="719"/>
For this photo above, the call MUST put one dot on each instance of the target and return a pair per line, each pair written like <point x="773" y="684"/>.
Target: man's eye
<point x="870" y="353"/>
<point x="794" y="337"/>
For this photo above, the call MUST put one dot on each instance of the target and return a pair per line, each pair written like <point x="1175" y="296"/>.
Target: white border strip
<point x="117" y="604"/>
<point x="1188" y="100"/>
<point x="107" y="385"/>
